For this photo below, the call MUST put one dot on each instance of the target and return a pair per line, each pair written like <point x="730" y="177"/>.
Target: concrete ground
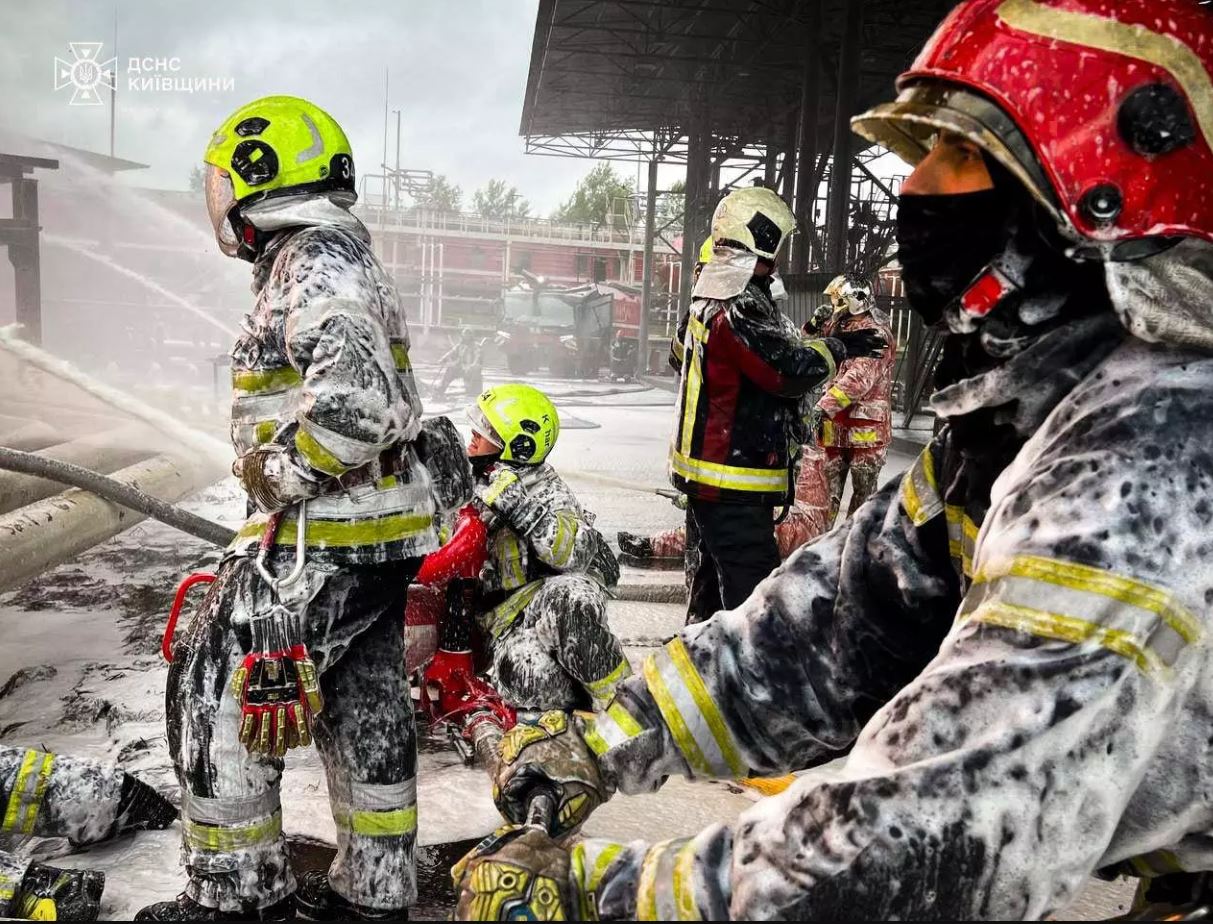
<point x="79" y="671"/>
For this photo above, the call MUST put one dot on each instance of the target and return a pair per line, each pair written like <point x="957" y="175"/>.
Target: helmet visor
<point x="220" y="200"/>
<point x="908" y="125"/>
<point x="480" y="424"/>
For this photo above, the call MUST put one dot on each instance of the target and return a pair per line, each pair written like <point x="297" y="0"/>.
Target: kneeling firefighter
<point x="1013" y="639"/>
<point x="541" y="599"/>
<point x="85" y="801"/>
<point x="301" y="635"/>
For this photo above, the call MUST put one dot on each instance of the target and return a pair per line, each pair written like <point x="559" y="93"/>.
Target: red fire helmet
<point x="1102" y="108"/>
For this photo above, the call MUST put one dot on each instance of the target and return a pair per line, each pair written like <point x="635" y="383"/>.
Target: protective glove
<point x="505" y="496"/>
<point x="272" y="480"/>
<point x="517" y="873"/>
<point x="857" y="344"/>
<point x="550" y="754"/>
<point x="818" y="318"/>
<point x="277" y="687"/>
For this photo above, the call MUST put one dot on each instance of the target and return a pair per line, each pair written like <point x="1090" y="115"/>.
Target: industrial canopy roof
<point x="622" y="78"/>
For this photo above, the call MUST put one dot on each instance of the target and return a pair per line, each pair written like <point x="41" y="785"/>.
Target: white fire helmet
<point x="754" y="218"/>
<point x="849" y="293"/>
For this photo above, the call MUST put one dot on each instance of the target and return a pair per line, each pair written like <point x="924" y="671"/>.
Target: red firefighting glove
<point x="277" y="687"/>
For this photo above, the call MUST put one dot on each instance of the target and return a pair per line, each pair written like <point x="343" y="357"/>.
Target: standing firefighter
<point x="1013" y="640"/>
<point x="323" y="418"/>
<point x="744" y="370"/>
<point x="856" y="409"/>
<point x="543" y="596"/>
<point x="85" y="801"/>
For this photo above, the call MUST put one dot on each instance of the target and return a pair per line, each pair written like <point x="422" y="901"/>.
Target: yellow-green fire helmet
<point x="519" y="418"/>
<point x="276" y="145"/>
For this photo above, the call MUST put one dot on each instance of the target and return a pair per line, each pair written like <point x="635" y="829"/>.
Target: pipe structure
<point x="97" y="453"/>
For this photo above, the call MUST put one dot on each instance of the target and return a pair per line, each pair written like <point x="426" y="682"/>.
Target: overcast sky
<point x="457" y="71"/>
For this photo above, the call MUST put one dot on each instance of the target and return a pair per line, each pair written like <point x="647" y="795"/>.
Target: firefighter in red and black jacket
<point x="745" y="369"/>
<point x="856" y="412"/>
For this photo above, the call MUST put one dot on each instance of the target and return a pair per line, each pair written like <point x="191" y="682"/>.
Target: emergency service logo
<point x="85" y="74"/>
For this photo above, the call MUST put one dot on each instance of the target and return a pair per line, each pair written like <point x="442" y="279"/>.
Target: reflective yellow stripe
<point x="264" y="431"/>
<point x="508" y="556"/>
<point x="681" y="659"/>
<point x="255" y="381"/>
<point x="566" y="534"/>
<point x="345" y="533"/>
<point x="1067" y="629"/>
<point x="863" y="435"/>
<point x="1133" y="41"/>
<point x="683" y="885"/>
<point x="231" y="837"/>
<point x="317" y="456"/>
<point x="962" y="538"/>
<point x="820" y="347"/>
<point x="919" y="491"/>
<point x="646" y="891"/>
<point x="840" y="396"/>
<point x="1105" y="583"/>
<point x="29" y="789"/>
<point x="390" y="823"/>
<point x="498" y="487"/>
<point x="694" y="383"/>
<point x="732" y="477"/>
<point x="624" y="719"/>
<point x="400" y="356"/>
<point x="1156" y="863"/>
<point x="673" y="719"/>
<point x="602" y="690"/>
<point x="502" y="616"/>
<point x="691" y="715"/>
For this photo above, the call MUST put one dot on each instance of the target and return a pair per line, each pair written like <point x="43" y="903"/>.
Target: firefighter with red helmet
<point x="856" y="410"/>
<point x="1012" y="640"/>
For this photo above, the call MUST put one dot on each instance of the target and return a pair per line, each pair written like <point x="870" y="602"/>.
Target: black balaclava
<point x="946" y="242"/>
<point x="481" y="464"/>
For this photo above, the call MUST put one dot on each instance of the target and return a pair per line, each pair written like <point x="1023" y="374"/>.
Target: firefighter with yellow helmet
<point x="745" y="369"/>
<point x="304" y="639"/>
<point x="542" y="605"/>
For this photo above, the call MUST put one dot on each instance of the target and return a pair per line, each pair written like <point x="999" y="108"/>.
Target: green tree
<point x="670" y="206"/>
<point x="498" y="199"/>
<point x="597" y="197"/>
<point x="196" y="179"/>
<point x="442" y="196"/>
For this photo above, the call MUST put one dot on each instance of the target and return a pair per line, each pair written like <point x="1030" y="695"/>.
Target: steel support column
<point x="806" y="142"/>
<point x="838" y="199"/>
<point x="23" y="254"/>
<point x="695" y="218"/>
<point x="646" y="291"/>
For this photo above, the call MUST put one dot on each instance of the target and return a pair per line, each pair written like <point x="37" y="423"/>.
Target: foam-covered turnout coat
<point x="857" y="408"/>
<point x="322" y="370"/>
<point x="53" y="795"/>
<point x="545" y="620"/>
<point x="1014" y="638"/>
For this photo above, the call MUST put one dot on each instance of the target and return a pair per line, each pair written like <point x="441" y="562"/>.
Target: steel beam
<point x="838" y="197"/>
<point x="806" y="142"/>
<point x="646" y="290"/>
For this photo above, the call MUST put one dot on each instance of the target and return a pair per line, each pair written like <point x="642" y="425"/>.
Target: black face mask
<point x="481" y="464"/>
<point x="943" y="242"/>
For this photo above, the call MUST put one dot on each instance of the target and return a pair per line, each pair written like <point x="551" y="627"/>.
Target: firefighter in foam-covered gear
<point x="856" y="410"/>
<point x="85" y="801"/>
<point x="1013" y="640"/>
<point x="325" y="414"/>
<point x="745" y="369"/>
<point x="543" y="590"/>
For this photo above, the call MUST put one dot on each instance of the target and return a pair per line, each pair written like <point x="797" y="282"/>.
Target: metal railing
<point x="539" y="229"/>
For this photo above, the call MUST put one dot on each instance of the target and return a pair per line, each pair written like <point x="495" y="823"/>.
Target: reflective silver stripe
<point x="369" y="500"/>
<point x="920" y="492"/>
<point x="344" y="448"/>
<point x="665" y="890"/>
<point x="377" y="797"/>
<point x="278" y="405"/>
<point x="611" y="728"/>
<point x="1078" y="603"/>
<point x="731" y="477"/>
<point x="311" y="313"/>
<point x="566" y="536"/>
<point x="962" y="538"/>
<point x="694" y="720"/>
<point x="229" y="811"/>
